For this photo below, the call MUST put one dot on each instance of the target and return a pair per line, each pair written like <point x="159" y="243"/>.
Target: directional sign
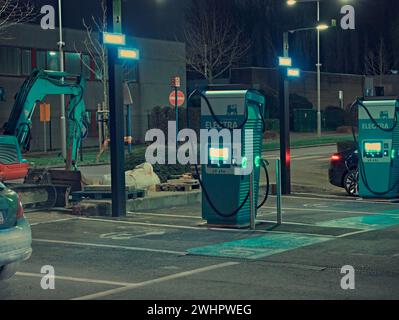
<point x="180" y="98"/>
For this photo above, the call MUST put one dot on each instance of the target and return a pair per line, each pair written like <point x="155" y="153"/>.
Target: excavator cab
<point x="12" y="165"/>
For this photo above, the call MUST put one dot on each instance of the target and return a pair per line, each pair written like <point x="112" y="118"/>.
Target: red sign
<point x="180" y="98"/>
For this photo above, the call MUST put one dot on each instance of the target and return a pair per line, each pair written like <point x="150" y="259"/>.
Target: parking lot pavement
<point x="171" y="254"/>
<point x="311" y="162"/>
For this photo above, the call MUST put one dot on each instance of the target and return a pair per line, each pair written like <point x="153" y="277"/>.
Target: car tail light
<point x="20" y="210"/>
<point x="336" y="157"/>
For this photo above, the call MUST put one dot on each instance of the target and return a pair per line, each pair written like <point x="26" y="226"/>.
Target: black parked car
<point x="344" y="171"/>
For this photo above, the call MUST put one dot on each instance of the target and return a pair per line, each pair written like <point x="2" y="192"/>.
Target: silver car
<point x="15" y="233"/>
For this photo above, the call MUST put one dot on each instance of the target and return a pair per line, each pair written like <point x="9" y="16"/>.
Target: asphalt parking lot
<point x="171" y="254"/>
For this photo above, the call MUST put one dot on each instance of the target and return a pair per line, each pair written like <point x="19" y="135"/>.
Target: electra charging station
<point x="228" y="199"/>
<point x="378" y="147"/>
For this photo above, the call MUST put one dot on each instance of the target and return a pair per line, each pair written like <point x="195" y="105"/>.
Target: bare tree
<point x="99" y="57"/>
<point x="214" y="42"/>
<point x="14" y="12"/>
<point x="96" y="50"/>
<point x="258" y="18"/>
<point x="377" y="62"/>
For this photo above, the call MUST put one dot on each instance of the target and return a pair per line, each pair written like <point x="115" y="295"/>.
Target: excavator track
<point x="41" y="196"/>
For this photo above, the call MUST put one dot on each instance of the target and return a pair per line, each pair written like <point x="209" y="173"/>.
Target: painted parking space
<point x="259" y="247"/>
<point x="103" y="258"/>
<point x="368" y="222"/>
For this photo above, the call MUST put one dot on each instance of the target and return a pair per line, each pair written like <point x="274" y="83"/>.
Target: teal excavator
<point x="16" y="133"/>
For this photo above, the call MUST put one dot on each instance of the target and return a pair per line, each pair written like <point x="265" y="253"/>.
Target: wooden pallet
<point x="105" y="195"/>
<point x="183" y="183"/>
<point x="105" y="188"/>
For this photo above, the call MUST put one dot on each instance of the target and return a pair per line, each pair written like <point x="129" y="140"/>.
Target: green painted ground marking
<point x="376" y="222"/>
<point x="259" y="247"/>
<point x="391" y="212"/>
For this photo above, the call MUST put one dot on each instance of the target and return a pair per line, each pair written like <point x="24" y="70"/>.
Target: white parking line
<point x="73" y="279"/>
<point x="97" y="245"/>
<point x="199" y="218"/>
<point x="354" y="233"/>
<point x="332" y="210"/>
<point x="209" y="229"/>
<point x="335" y="199"/>
<point x="53" y="221"/>
<point x="185" y="274"/>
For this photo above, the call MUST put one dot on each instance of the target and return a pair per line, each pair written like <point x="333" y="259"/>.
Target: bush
<point x="351" y="118"/>
<point x="160" y="116"/>
<point x="335" y="117"/>
<point x="299" y="102"/>
<point x="273" y="125"/>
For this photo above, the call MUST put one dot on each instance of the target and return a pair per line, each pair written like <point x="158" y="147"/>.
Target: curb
<point x="103" y="208"/>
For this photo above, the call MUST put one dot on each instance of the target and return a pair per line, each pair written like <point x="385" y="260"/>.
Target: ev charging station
<point x="230" y="177"/>
<point x="378" y="147"/>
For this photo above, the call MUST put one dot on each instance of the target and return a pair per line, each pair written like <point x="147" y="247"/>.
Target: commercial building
<point x="31" y="47"/>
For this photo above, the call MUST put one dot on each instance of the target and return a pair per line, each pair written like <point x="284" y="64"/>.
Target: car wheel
<point x="8" y="271"/>
<point x="351" y="183"/>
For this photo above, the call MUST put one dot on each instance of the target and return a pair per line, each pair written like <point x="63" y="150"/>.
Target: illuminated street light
<point x="291" y="2"/>
<point x="322" y="27"/>
<point x="114" y="38"/>
<point x="293" y="73"/>
<point x="130" y="54"/>
<point x="284" y="61"/>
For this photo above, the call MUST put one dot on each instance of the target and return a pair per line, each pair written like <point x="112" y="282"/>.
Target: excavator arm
<point x="35" y="88"/>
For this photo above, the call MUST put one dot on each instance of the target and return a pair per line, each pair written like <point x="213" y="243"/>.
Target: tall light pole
<point x="61" y="45"/>
<point x="116" y="120"/>
<point x="318" y="74"/>
<point x="318" y="65"/>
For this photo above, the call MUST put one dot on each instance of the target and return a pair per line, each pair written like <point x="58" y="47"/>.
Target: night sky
<point x="164" y="18"/>
<point x="341" y="51"/>
<point x="144" y="18"/>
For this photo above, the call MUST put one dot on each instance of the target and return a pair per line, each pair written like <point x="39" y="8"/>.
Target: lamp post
<point x="318" y="75"/>
<point x="61" y="45"/>
<point x="114" y="21"/>
<point x="318" y="65"/>
<point x="285" y="73"/>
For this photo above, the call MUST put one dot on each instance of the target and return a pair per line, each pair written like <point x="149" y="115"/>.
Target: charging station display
<point x="374" y="150"/>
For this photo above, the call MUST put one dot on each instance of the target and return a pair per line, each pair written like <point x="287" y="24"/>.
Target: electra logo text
<point x="372" y="126"/>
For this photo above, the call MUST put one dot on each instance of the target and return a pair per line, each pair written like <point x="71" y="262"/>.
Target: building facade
<point x="148" y="79"/>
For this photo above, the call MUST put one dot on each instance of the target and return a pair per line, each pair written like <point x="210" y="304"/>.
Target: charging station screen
<point x="219" y="154"/>
<point x="373" y="149"/>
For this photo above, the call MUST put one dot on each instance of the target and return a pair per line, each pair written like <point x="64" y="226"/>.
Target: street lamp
<point x="61" y="45"/>
<point x="318" y="65"/>
<point x="322" y="27"/>
<point x="287" y="72"/>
